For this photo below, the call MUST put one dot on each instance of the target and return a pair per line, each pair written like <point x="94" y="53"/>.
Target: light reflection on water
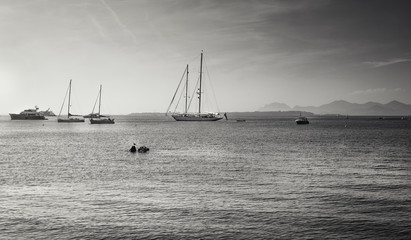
<point x="257" y="179"/>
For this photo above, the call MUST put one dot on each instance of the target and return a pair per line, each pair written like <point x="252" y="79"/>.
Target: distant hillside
<point x="275" y="107"/>
<point x="393" y="108"/>
<point x="267" y="114"/>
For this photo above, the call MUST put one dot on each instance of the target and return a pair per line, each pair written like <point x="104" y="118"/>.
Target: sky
<point x="298" y="52"/>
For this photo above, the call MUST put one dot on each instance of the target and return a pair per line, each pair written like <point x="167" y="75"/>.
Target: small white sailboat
<point x="71" y="118"/>
<point x="97" y="118"/>
<point x="198" y="116"/>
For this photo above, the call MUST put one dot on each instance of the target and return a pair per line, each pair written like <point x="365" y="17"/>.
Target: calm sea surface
<point x="260" y="179"/>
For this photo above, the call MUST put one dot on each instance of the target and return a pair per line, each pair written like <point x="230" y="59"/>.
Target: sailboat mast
<point x="99" y="101"/>
<point x="201" y="75"/>
<point x="68" y="107"/>
<point x="186" y="90"/>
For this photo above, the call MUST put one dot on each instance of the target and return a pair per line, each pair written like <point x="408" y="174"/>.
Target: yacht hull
<point x="14" y="116"/>
<point x="302" y="121"/>
<point x="102" y="121"/>
<point x="70" y="120"/>
<point x="196" y="118"/>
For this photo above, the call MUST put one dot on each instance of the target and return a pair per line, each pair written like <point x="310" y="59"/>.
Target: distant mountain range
<point x="394" y="108"/>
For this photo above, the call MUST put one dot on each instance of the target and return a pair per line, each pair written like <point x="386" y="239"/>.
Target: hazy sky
<point x="307" y="52"/>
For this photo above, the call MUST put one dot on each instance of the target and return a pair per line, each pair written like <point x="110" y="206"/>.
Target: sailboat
<point x="198" y="116"/>
<point x="70" y="117"/>
<point x="97" y="118"/>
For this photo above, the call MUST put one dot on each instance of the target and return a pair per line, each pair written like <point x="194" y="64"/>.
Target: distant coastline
<point x="338" y="109"/>
<point x="261" y="115"/>
<point x="238" y="115"/>
<point x="341" y="107"/>
<point x="256" y="115"/>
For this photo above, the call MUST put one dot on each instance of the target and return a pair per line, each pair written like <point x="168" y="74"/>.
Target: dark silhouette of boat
<point x="97" y="118"/>
<point x="71" y="118"/>
<point x="302" y="120"/>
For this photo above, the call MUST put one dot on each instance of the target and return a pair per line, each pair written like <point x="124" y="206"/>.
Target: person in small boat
<point x="133" y="148"/>
<point x="143" y="149"/>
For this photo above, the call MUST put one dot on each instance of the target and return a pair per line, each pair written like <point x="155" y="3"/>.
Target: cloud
<point x="119" y="22"/>
<point x="375" y="91"/>
<point x="387" y="63"/>
<point x="100" y="28"/>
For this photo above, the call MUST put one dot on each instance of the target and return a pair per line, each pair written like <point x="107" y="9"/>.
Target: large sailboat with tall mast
<point x="71" y="118"/>
<point x="197" y="116"/>
<point x="97" y="118"/>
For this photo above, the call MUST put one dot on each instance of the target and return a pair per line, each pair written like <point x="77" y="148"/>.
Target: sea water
<point x="259" y="179"/>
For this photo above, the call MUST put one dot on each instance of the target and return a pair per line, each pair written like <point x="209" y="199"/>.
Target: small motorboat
<point x="302" y="120"/>
<point x="143" y="149"/>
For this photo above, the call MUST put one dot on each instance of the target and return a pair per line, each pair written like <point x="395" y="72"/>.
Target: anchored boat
<point x="198" y="116"/>
<point x="28" y="114"/>
<point x="97" y="118"/>
<point x="302" y="120"/>
<point x="71" y="118"/>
